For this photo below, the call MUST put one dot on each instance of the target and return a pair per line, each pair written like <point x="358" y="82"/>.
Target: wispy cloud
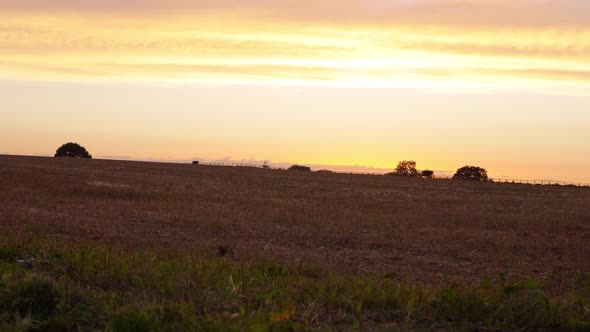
<point x="472" y="43"/>
<point x="463" y="12"/>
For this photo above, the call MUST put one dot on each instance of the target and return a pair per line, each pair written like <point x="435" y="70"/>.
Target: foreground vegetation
<point x="52" y="287"/>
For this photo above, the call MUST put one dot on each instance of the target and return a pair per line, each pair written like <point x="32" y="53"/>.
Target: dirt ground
<point x="423" y="230"/>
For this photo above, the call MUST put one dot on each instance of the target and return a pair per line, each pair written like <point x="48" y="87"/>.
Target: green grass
<point x="68" y="288"/>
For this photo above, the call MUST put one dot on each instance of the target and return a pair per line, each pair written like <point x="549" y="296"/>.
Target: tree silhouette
<point x="406" y="168"/>
<point x="299" y="168"/>
<point x="72" y="150"/>
<point x="471" y="173"/>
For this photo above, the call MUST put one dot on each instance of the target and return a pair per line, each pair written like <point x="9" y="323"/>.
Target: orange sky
<point x="504" y="84"/>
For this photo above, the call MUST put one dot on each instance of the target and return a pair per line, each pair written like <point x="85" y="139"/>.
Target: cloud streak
<point x="464" y="12"/>
<point x="382" y="43"/>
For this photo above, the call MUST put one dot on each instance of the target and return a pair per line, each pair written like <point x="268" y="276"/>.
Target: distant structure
<point x="427" y="174"/>
<point x="265" y="165"/>
<point x="195" y="162"/>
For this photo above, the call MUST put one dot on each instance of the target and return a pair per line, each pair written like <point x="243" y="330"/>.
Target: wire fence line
<point x="541" y="182"/>
<point x="528" y="181"/>
<point x="446" y="177"/>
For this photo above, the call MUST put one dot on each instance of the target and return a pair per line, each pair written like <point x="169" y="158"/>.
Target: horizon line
<point x="315" y="167"/>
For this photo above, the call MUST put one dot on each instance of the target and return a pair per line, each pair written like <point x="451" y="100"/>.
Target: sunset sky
<point x="501" y="84"/>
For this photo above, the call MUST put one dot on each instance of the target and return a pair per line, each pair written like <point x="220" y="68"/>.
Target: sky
<point x="501" y="84"/>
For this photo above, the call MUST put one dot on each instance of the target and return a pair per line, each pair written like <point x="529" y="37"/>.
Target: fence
<point x="542" y="182"/>
<point x="530" y="182"/>
<point x="495" y="180"/>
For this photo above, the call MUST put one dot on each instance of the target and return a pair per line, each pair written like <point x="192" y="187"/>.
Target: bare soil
<point x="419" y="229"/>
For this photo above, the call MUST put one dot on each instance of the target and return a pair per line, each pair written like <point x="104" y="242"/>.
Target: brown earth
<point x="424" y="230"/>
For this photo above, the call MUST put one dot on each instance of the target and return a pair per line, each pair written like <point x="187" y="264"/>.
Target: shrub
<point x="300" y="168"/>
<point x="471" y="173"/>
<point x="72" y="150"/>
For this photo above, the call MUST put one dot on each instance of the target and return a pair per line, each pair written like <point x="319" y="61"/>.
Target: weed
<point x="8" y="254"/>
<point x="37" y="298"/>
<point x="141" y="291"/>
<point x="132" y="320"/>
<point x="223" y="250"/>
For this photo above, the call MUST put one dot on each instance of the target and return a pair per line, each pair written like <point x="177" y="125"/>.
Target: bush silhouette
<point x="471" y="173"/>
<point x="299" y="168"/>
<point x="427" y="174"/>
<point x="72" y="150"/>
<point x="405" y="168"/>
<point x="324" y="171"/>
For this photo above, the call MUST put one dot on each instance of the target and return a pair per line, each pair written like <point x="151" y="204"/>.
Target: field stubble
<point x="416" y="229"/>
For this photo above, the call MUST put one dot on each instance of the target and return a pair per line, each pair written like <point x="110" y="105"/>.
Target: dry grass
<point x="424" y="230"/>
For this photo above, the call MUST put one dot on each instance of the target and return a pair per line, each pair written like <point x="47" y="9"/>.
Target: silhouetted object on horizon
<point x="427" y="174"/>
<point x="405" y="168"/>
<point x="195" y="162"/>
<point x="471" y="173"/>
<point x="72" y="150"/>
<point x="299" y="168"/>
<point x="265" y="165"/>
<point x="325" y="171"/>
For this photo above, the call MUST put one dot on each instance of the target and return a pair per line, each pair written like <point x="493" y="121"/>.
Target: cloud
<point x="438" y="44"/>
<point x="571" y="51"/>
<point x="456" y="12"/>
